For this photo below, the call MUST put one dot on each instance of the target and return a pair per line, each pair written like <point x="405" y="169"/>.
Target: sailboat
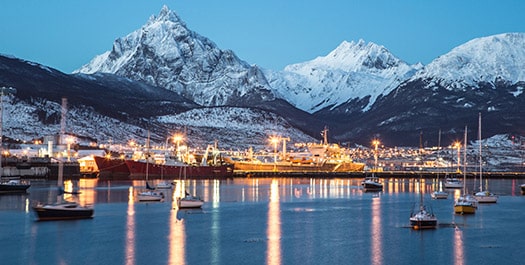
<point x="149" y="194"/>
<point x="163" y="184"/>
<point x="483" y="196"/>
<point x="439" y="194"/>
<point x="12" y="185"/>
<point x="189" y="201"/>
<point x="62" y="210"/>
<point x="466" y="203"/>
<point x="422" y="219"/>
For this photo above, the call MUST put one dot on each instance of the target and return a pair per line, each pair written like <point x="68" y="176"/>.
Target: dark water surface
<point x="264" y="221"/>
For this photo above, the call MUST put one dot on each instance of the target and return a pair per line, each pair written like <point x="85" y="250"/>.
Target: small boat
<point x="439" y="194"/>
<point x="149" y="194"/>
<point x="422" y="219"/>
<point x="466" y="203"/>
<point x="522" y="188"/>
<point x="483" y="196"/>
<point x="14" y="186"/>
<point x="189" y="201"/>
<point x="164" y="185"/>
<point x="453" y="183"/>
<point x="372" y="184"/>
<point x="62" y="210"/>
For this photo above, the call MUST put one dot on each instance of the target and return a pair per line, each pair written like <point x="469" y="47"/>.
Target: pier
<point x="382" y="174"/>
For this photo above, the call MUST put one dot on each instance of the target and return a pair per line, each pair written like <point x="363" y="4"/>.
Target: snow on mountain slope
<point x="165" y="53"/>
<point x="41" y="118"/>
<point x="353" y="70"/>
<point x="233" y="127"/>
<point x="482" y="60"/>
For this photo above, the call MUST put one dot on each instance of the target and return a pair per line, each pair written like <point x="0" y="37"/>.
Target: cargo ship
<point x="209" y="165"/>
<point x="111" y="167"/>
<point x="318" y="157"/>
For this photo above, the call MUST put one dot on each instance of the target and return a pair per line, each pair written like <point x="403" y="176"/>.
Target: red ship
<point x="111" y="168"/>
<point x="137" y="169"/>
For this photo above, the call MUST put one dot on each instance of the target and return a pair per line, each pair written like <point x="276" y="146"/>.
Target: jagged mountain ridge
<point x="165" y="53"/>
<point x="114" y="109"/>
<point x="484" y="75"/>
<point x="355" y="72"/>
<point x="424" y="103"/>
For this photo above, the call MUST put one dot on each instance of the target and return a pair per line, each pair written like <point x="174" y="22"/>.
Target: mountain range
<point x="166" y="78"/>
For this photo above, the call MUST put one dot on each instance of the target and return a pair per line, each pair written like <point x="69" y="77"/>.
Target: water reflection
<point x="459" y="257"/>
<point x="130" y="230"/>
<point x="375" y="228"/>
<point x="273" y="254"/>
<point x="177" y="243"/>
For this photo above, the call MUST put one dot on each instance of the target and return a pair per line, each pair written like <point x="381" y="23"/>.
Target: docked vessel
<point x="319" y="157"/>
<point x="111" y="168"/>
<point x="137" y="169"/>
<point x="210" y="165"/>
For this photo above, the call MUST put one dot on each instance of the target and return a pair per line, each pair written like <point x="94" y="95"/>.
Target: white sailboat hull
<point x="486" y="197"/>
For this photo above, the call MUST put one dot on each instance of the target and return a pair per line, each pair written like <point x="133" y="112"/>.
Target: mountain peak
<point x="166" y="14"/>
<point x="355" y="56"/>
<point x="165" y="53"/>
<point x="481" y="60"/>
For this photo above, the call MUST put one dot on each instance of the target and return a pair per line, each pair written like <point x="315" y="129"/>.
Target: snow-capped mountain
<point x="356" y="72"/>
<point x="110" y="108"/>
<point x="484" y="75"/>
<point x="165" y="53"/>
<point x="481" y="61"/>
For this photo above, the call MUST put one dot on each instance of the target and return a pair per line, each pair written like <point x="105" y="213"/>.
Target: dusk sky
<point x="272" y="34"/>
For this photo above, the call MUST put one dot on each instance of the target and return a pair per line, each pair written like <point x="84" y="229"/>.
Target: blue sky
<point x="65" y="34"/>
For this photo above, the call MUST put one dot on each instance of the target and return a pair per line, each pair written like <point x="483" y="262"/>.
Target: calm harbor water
<point x="264" y="221"/>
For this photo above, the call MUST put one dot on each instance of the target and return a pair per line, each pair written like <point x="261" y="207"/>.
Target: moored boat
<point x="189" y="201"/>
<point x="111" y="168"/>
<point x="14" y="186"/>
<point x="63" y="211"/>
<point x="372" y="183"/>
<point x="422" y="218"/>
<point x="522" y="188"/>
<point x="466" y="203"/>
<point x="453" y="183"/>
<point x="439" y="194"/>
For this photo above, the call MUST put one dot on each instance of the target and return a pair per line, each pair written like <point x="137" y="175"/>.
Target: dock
<point x="382" y="174"/>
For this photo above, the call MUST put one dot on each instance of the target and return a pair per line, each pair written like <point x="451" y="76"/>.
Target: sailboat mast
<point x="147" y="157"/>
<point x="480" y="159"/>
<point x="465" y="161"/>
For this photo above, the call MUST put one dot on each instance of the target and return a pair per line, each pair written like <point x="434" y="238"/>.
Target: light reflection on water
<point x="373" y="223"/>
<point x="273" y="256"/>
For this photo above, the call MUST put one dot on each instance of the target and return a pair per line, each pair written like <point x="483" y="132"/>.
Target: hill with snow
<point x="354" y="72"/>
<point x="165" y="53"/>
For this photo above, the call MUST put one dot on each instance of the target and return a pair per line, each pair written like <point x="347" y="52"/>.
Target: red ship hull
<point x="111" y="168"/>
<point x="137" y="170"/>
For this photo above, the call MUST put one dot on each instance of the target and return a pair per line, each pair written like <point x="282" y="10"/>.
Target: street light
<point x="375" y="143"/>
<point x="177" y="138"/>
